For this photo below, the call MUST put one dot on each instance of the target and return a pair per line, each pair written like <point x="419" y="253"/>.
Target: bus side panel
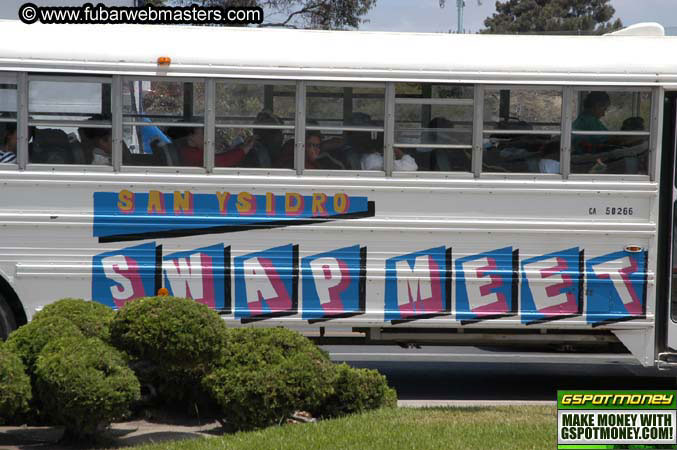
<point x="444" y="254"/>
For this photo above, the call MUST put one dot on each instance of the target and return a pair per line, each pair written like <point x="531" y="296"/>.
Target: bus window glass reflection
<point x="60" y="110"/>
<point x="521" y="130"/>
<point x="156" y="109"/>
<point x="433" y="124"/>
<point x="350" y="121"/>
<point x="610" y="132"/>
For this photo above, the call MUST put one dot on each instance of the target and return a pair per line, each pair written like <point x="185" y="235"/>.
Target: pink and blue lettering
<point x="486" y="285"/>
<point x="123" y="275"/>
<point x="202" y="274"/>
<point x="334" y="284"/>
<point x="418" y="285"/>
<point x="552" y="286"/>
<point x="266" y="283"/>
<point x="616" y="287"/>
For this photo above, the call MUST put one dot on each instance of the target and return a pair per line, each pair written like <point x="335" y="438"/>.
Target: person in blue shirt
<point x="151" y="133"/>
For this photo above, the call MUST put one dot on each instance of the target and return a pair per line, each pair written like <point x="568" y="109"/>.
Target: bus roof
<point x="337" y="55"/>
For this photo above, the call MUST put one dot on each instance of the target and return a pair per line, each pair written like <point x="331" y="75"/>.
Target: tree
<point x="558" y="16"/>
<point x="317" y="14"/>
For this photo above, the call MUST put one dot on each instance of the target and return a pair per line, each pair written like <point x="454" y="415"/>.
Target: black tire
<point x="7" y="321"/>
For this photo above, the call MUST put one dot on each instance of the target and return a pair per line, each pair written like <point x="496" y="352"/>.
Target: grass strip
<point x="506" y="427"/>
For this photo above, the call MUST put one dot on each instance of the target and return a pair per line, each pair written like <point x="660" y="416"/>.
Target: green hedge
<point x="28" y="340"/>
<point x="257" y="346"/>
<point x="84" y="384"/>
<point x="170" y="331"/>
<point x="92" y="318"/>
<point x="356" y="390"/>
<point x="258" y="396"/>
<point x="265" y="374"/>
<point x="174" y="343"/>
<point x="15" y="385"/>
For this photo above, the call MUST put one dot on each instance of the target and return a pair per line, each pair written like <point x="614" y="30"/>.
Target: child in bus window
<point x="100" y="145"/>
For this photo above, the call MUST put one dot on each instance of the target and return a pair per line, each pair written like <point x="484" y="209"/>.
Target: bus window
<point x="434" y="123"/>
<point x="8" y="102"/>
<point x="348" y="121"/>
<point x="255" y="124"/>
<point x="521" y="132"/>
<point x="70" y="121"/>
<point x="163" y="123"/>
<point x="610" y="132"/>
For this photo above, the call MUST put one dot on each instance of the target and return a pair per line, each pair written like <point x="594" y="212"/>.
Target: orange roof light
<point x="164" y="61"/>
<point x="633" y="248"/>
<point x="162" y="292"/>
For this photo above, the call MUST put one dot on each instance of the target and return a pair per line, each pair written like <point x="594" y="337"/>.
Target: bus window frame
<point x="23" y="91"/>
<point x="431" y="101"/>
<point x="300" y="143"/>
<point x="654" y="126"/>
<point x="212" y="118"/>
<point x="119" y="109"/>
<point x="11" y="78"/>
<point x="21" y="79"/>
<point x="482" y="130"/>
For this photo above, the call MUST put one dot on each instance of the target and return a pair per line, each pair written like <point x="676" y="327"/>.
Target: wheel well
<point x="13" y="301"/>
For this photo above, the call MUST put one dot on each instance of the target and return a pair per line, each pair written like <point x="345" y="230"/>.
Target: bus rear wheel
<point x="7" y="321"/>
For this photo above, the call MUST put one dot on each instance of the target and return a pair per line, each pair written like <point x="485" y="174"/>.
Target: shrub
<point x="257" y="346"/>
<point x="84" y="384"/>
<point x="251" y="396"/>
<point x="170" y="331"/>
<point x="357" y="390"/>
<point x="15" y="385"/>
<point x="265" y="374"/>
<point x="28" y="341"/>
<point x="92" y="318"/>
<point x="173" y="340"/>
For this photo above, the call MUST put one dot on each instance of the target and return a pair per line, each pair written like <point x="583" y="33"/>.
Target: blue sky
<point x="426" y="15"/>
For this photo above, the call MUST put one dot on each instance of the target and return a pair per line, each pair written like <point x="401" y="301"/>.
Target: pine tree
<point x="552" y="17"/>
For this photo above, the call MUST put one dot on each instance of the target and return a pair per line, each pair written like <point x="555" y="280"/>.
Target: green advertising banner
<point x="616" y="419"/>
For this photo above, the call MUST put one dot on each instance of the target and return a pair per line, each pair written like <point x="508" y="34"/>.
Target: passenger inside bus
<point x="267" y="142"/>
<point x="8" y="149"/>
<point x="98" y="145"/>
<point x="316" y="157"/>
<point x="549" y="161"/>
<point x="374" y="160"/>
<point x="605" y="153"/>
<point x="445" y="160"/>
<point x="189" y="142"/>
<point x="517" y="153"/>
<point x="149" y="134"/>
<point x="357" y="144"/>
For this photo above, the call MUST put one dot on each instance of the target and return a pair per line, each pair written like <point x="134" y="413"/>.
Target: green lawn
<point x="518" y="427"/>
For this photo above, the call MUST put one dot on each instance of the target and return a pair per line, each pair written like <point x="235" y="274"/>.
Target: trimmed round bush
<point x="257" y="346"/>
<point x="265" y="374"/>
<point x="174" y="343"/>
<point x="28" y="340"/>
<point x="170" y="331"/>
<point x="357" y="390"/>
<point x="92" y="318"/>
<point x="251" y="396"/>
<point x="84" y="384"/>
<point x="15" y="385"/>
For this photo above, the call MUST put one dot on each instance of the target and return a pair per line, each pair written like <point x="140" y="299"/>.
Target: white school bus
<point x="417" y="188"/>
